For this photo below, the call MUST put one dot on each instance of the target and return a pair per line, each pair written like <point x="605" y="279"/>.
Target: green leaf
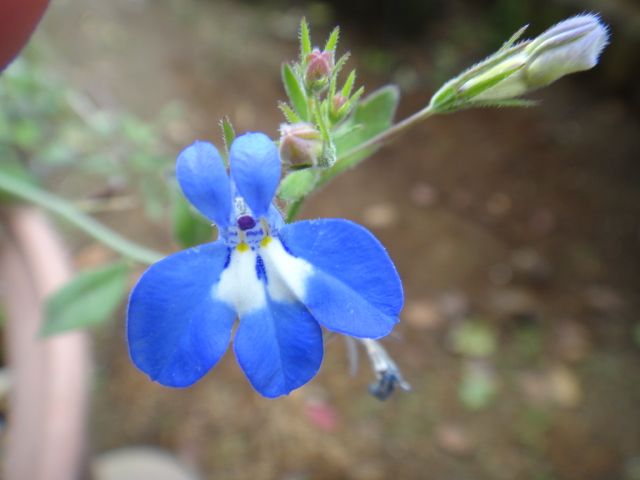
<point x="295" y="92"/>
<point x="305" y="40"/>
<point x="348" y="84"/>
<point x="15" y="186"/>
<point x="289" y="114"/>
<point x="332" y="41"/>
<point x="370" y="117"/>
<point x="298" y="185"/>
<point x="88" y="299"/>
<point x="189" y="227"/>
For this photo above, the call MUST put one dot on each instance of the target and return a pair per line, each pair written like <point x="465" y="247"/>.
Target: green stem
<point x="343" y="163"/>
<point x="53" y="203"/>
<point x="389" y="134"/>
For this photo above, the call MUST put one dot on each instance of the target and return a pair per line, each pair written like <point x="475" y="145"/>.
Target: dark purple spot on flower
<point x="246" y="222"/>
<point x="260" y="270"/>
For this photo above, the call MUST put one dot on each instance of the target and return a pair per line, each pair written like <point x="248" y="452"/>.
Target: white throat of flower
<point x="255" y="274"/>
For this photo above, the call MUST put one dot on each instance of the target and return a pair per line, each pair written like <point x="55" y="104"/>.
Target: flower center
<point x="246" y="222"/>
<point x="247" y="231"/>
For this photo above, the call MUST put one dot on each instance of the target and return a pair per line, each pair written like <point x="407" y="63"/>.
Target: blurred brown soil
<point x="524" y="219"/>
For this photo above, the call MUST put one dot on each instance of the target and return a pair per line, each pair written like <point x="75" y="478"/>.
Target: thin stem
<point x="382" y="138"/>
<point x="67" y="211"/>
<point x="392" y="132"/>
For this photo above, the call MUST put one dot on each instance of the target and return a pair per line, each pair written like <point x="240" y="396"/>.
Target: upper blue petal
<point x="355" y="288"/>
<point x="279" y="348"/>
<point x="205" y="182"/>
<point x="255" y="169"/>
<point x="176" y="331"/>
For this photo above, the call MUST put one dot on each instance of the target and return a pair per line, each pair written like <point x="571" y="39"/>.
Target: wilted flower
<point x="572" y="45"/>
<point x="282" y="281"/>
<point x="300" y="144"/>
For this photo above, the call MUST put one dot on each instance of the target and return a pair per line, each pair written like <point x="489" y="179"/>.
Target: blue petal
<point x="279" y="348"/>
<point x="355" y="288"/>
<point x="255" y="168"/>
<point x="205" y="182"/>
<point x="274" y="218"/>
<point x="175" y="329"/>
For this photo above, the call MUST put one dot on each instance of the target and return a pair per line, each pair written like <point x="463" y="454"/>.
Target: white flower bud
<point x="573" y="45"/>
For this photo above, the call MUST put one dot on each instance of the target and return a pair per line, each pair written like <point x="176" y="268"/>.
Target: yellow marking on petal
<point x="242" y="247"/>
<point x="265" y="241"/>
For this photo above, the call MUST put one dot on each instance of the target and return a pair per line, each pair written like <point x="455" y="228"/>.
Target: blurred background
<point x="516" y="233"/>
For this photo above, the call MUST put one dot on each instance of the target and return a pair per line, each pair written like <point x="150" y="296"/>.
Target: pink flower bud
<point x="337" y="102"/>
<point x="319" y="66"/>
<point x="300" y="144"/>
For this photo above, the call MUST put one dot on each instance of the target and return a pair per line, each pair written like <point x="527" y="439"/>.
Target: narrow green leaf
<point x="305" y="40"/>
<point x="13" y="168"/>
<point x="228" y="135"/>
<point x="295" y="92"/>
<point x="22" y="189"/>
<point x="298" y="185"/>
<point x="289" y="114"/>
<point x="348" y="84"/>
<point x="88" y="299"/>
<point x="332" y="41"/>
<point x="189" y="227"/>
<point x="340" y="64"/>
<point x="351" y="102"/>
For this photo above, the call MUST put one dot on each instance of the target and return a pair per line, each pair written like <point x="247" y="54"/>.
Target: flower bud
<point x="319" y="66"/>
<point x="300" y="144"/>
<point x="338" y="101"/>
<point x="572" y="45"/>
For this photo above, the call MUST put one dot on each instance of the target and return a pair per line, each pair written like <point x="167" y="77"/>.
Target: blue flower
<point x="283" y="281"/>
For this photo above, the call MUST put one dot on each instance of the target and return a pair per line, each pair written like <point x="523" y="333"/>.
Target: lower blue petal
<point x="176" y="331"/>
<point x="279" y="348"/>
<point x="355" y="288"/>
